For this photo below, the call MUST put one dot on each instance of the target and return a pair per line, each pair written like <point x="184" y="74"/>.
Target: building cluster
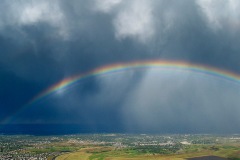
<point x="49" y="147"/>
<point x="24" y="149"/>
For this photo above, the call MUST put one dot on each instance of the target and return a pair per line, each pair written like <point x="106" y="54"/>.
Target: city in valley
<point x="120" y="146"/>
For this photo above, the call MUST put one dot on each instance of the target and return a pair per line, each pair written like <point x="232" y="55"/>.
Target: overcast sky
<point x="42" y="42"/>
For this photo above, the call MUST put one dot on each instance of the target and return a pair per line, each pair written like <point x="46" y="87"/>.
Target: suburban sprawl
<point x="118" y="146"/>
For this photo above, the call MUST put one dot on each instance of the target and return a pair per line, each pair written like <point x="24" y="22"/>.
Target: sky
<point x="43" y="42"/>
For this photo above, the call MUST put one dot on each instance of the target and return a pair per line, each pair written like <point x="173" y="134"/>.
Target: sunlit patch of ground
<point x="108" y="153"/>
<point x="192" y="152"/>
<point x="79" y="155"/>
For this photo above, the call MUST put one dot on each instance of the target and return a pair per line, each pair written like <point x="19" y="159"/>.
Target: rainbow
<point x="119" y="67"/>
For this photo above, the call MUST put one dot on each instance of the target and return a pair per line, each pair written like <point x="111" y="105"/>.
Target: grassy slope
<point x="101" y="153"/>
<point x="81" y="155"/>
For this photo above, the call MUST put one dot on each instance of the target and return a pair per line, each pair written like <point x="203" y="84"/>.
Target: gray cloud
<point x="84" y="35"/>
<point x="106" y="6"/>
<point x="221" y="14"/>
<point x="31" y="12"/>
<point x="42" y="42"/>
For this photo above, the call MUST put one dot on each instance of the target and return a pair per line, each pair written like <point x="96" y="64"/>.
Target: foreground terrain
<point x="120" y="146"/>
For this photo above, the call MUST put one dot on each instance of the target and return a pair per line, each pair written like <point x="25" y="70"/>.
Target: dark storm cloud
<point x="42" y="42"/>
<point x="69" y="37"/>
<point x="35" y="40"/>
